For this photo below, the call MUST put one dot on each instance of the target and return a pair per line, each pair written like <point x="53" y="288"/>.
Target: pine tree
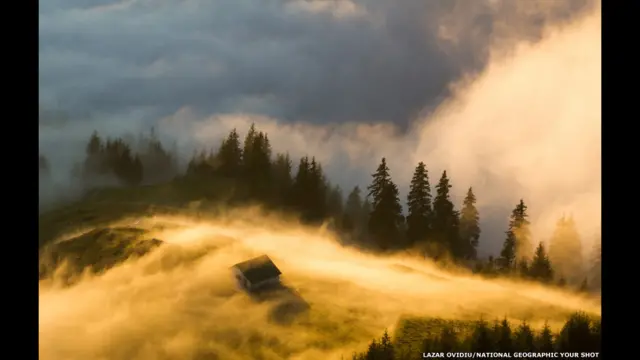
<point x="302" y="188"/>
<point x="386" y="215"/>
<point x="419" y="205"/>
<point x="518" y="241"/>
<point x="335" y="203"/>
<point x="283" y="181"/>
<point x="318" y="195"/>
<point x="507" y="257"/>
<point x="565" y="249"/>
<point x="544" y="341"/>
<point x="541" y="266"/>
<point x="386" y="347"/>
<point x="445" y="223"/>
<point x="470" y="225"/>
<point x="94" y="147"/>
<point x="380" y="180"/>
<point x="249" y="141"/>
<point x="584" y="286"/>
<point x="520" y="226"/>
<point x="524" y="338"/>
<point x="523" y="268"/>
<point x="576" y="334"/>
<point x="352" y="211"/>
<point x="257" y="165"/>
<point x="504" y="342"/>
<point x="481" y="338"/>
<point x="230" y="156"/>
<point x="448" y="340"/>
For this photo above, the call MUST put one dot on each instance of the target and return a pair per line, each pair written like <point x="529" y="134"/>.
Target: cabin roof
<point x="258" y="269"/>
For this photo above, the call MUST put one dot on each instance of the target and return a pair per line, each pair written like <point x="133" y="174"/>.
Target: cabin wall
<point x="240" y="279"/>
<point x="272" y="281"/>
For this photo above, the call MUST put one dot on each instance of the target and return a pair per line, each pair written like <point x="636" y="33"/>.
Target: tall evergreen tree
<point x="352" y="211"/>
<point x="507" y="259"/>
<point x="504" y="341"/>
<point x="445" y="225"/>
<point x="518" y="241"/>
<point x="386" y="215"/>
<point x="419" y="205"/>
<point x="565" y="250"/>
<point x="335" y="204"/>
<point x="380" y="180"/>
<point x="544" y="341"/>
<point x="309" y="191"/>
<point x="319" y="191"/>
<point x="524" y="338"/>
<point x="521" y="227"/>
<point x="470" y="225"/>
<point x="230" y="156"/>
<point x="283" y="180"/>
<point x="302" y="187"/>
<point x="541" y="266"/>
<point x="257" y="164"/>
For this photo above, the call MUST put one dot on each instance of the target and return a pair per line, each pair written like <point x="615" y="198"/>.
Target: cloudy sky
<point x="346" y="80"/>
<point x="319" y="61"/>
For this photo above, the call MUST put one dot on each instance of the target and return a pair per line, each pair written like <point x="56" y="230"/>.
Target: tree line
<point x="373" y="218"/>
<point x="580" y="333"/>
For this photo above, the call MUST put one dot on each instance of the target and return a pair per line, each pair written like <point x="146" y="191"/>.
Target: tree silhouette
<point x="541" y="266"/>
<point x="445" y="223"/>
<point x="419" y="205"/>
<point x="470" y="225"/>
<point x="386" y="214"/>
<point x="565" y="249"/>
<point x="518" y="241"/>
<point x="229" y="158"/>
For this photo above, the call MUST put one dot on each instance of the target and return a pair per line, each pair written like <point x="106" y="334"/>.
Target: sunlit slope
<point x="179" y="302"/>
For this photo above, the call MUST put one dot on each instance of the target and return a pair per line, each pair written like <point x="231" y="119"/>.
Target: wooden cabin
<point x="256" y="273"/>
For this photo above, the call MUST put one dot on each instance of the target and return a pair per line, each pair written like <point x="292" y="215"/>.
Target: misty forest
<point x="243" y="171"/>
<point x="319" y="179"/>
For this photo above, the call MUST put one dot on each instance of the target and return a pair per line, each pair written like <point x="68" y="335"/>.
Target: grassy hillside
<point x="99" y="208"/>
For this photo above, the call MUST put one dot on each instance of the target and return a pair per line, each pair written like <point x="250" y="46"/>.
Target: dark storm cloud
<point x="382" y="62"/>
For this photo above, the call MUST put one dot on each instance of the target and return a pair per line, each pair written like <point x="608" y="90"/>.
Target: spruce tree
<point x="507" y="259"/>
<point x="470" y="225"/>
<point x="352" y="211"/>
<point x="230" y="156"/>
<point x="283" y="181"/>
<point x="481" y="338"/>
<point x="518" y="241"/>
<point x="301" y="186"/>
<point x="335" y="204"/>
<point x="419" y="205"/>
<point x="386" y="213"/>
<point x="445" y="223"/>
<point x="504" y="343"/>
<point x="385" y="346"/>
<point x="541" y="266"/>
<point x="520" y="226"/>
<point x="380" y="180"/>
<point x="257" y="164"/>
<point x="524" y="339"/>
<point x="544" y="341"/>
<point x="576" y="334"/>
<point x="565" y="249"/>
<point x="318" y="192"/>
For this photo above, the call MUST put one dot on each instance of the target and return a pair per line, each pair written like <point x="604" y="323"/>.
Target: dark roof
<point x="258" y="269"/>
